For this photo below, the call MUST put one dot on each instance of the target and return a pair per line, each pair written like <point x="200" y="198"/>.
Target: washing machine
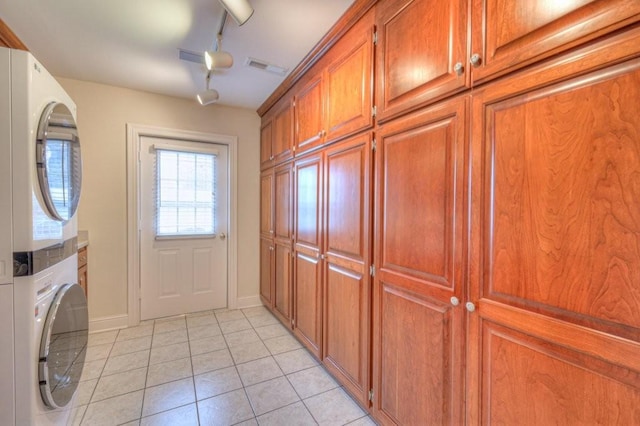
<point x="49" y="318"/>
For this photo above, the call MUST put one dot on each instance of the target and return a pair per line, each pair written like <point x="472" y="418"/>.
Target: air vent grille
<point x="188" y="55"/>
<point x="265" y="66"/>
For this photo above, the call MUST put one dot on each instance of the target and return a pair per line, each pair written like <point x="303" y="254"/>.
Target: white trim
<point x="114" y="322"/>
<point x="249" y="302"/>
<point x="134" y="133"/>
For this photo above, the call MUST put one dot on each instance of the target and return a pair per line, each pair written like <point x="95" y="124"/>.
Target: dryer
<point x="49" y="320"/>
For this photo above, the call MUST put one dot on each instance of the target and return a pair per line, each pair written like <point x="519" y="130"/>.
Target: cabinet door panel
<point x="308" y="239"/>
<point x="308" y="301"/>
<point x="266" y="145"/>
<point x="564" y="237"/>
<point x="416" y="341"/>
<point x="420" y="226"/>
<point x="283" y="133"/>
<point x="282" y="204"/>
<point x="532" y="381"/>
<point x="266" y="270"/>
<point x="309" y="113"/>
<point x="419" y="42"/>
<point x="282" y="300"/>
<point x="266" y="204"/>
<point x="347" y="279"/>
<point x="509" y="34"/>
<point x="349" y="82"/>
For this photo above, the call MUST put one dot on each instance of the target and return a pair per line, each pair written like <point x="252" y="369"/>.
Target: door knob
<point x="223" y="236"/>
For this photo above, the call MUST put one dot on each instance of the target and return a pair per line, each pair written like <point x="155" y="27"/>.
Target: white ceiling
<point x="134" y="43"/>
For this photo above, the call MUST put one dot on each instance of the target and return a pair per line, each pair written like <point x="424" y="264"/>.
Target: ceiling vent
<point x="191" y="56"/>
<point x="265" y="66"/>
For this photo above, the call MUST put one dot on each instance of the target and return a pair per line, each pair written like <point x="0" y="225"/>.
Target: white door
<point x="183" y="226"/>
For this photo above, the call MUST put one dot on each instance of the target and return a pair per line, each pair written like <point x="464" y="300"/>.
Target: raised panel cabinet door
<point x="266" y="203"/>
<point x="309" y="115"/>
<point x="347" y="280"/>
<point x="555" y="268"/>
<point x="509" y="34"/>
<point x="266" y="270"/>
<point x="419" y="44"/>
<point x="349" y="81"/>
<point x="266" y="145"/>
<point x="282" y="288"/>
<point x="307" y="282"/>
<point x="282" y="144"/>
<point x="283" y="186"/>
<point x="418" y="327"/>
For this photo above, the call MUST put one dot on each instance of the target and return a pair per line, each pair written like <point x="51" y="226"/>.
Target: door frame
<point x="134" y="133"/>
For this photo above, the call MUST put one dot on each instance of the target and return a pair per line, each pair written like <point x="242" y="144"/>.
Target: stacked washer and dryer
<point x="43" y="311"/>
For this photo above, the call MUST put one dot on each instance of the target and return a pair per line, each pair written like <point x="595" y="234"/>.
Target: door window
<point x="186" y="193"/>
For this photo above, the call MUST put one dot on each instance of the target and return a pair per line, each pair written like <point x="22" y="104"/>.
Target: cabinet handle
<point x="271" y="248"/>
<point x="475" y="60"/>
<point x="459" y="68"/>
<point x="455" y="301"/>
<point x="321" y="133"/>
<point x="470" y="306"/>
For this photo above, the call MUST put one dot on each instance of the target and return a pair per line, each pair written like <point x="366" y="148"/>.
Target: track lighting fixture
<point x="218" y="58"/>
<point x="240" y="10"/>
<point x="208" y="96"/>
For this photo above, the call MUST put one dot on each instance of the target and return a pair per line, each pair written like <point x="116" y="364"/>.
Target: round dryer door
<point x="64" y="346"/>
<point x="58" y="161"/>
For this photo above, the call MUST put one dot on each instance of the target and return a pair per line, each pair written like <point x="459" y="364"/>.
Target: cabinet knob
<point x="271" y="158"/>
<point x="455" y="301"/>
<point x="459" y="68"/>
<point x="475" y="60"/>
<point x="470" y="306"/>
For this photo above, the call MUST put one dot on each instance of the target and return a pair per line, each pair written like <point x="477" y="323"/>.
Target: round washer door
<point x="58" y="161"/>
<point x="63" y="346"/>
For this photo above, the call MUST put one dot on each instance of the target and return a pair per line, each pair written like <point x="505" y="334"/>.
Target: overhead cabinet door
<point x="420" y="42"/>
<point x="509" y="34"/>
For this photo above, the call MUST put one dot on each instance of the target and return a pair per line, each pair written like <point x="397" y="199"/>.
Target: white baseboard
<point x="248" y="302"/>
<point x="108" y="323"/>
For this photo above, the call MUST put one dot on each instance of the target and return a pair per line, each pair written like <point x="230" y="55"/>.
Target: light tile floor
<point x="212" y="368"/>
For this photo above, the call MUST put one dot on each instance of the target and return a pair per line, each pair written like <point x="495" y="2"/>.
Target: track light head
<point x="217" y="59"/>
<point x="208" y="96"/>
<point x="240" y="10"/>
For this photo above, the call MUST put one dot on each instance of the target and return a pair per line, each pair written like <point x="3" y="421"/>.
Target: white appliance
<point x="40" y="159"/>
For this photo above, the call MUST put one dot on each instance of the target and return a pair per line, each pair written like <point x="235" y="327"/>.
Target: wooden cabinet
<point x="509" y="34"/>
<point x="266" y="204"/>
<point x="505" y="226"/>
<point x="555" y="272"/>
<point x="282" y="207"/>
<point x="83" y="269"/>
<point x="418" y="327"/>
<point x="347" y="279"/>
<point x="308" y="251"/>
<point x="420" y="42"/>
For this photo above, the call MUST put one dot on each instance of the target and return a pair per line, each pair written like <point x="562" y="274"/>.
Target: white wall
<point x="103" y="112"/>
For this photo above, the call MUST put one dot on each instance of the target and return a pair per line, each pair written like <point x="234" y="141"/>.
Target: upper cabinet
<point x="349" y="81"/>
<point x="276" y="134"/>
<point x="335" y="100"/>
<point x="421" y="53"/>
<point x="309" y="122"/>
<point x="509" y="34"/>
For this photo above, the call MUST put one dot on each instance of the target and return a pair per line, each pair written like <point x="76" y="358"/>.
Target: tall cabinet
<point x="465" y="217"/>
